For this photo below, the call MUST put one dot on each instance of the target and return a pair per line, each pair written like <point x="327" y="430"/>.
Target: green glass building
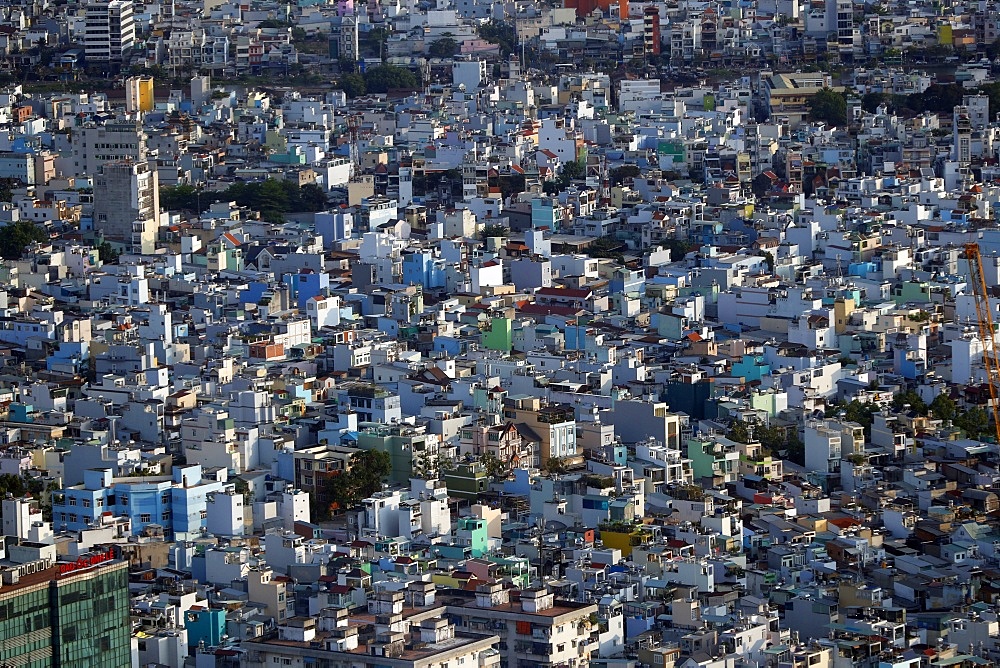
<point x="66" y="615"/>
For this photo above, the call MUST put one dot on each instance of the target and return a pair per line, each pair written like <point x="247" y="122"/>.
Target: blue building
<point x="305" y="285"/>
<point x="333" y="227"/>
<point x="543" y="214"/>
<point x="254" y="292"/>
<point x="421" y="268"/>
<point x="206" y="626"/>
<point x="179" y="505"/>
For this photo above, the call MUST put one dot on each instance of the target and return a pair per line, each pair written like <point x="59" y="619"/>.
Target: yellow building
<point x="623" y="536"/>
<point x="139" y="94"/>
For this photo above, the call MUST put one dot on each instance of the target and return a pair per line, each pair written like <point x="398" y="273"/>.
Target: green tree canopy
<point x="501" y="34"/>
<point x="911" y="399"/>
<point x="553" y="465"/>
<point x="828" y="105"/>
<point x="14" y="237"/>
<point x="494" y="231"/>
<point x="678" y="248"/>
<point x="494" y="467"/>
<point x="608" y="247"/>
<point x="975" y="422"/>
<point x="383" y="78"/>
<point x="944" y="407"/>
<point x="446" y="47"/>
<point x="271" y="198"/>
<point x="856" y="411"/>
<point x="871" y="101"/>
<point x="353" y="84"/>
<point x="624" y="174"/>
<point x="368" y="469"/>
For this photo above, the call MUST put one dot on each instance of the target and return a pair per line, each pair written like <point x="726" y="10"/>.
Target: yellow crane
<point x="987" y="333"/>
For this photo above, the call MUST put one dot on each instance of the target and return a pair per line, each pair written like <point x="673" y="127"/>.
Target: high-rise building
<point x="344" y="38"/>
<point x="67" y="614"/>
<point x="95" y="145"/>
<point x="651" y="30"/>
<point x="840" y="21"/>
<point x="127" y="203"/>
<point x="961" y="149"/>
<point x="110" y="30"/>
<point x="138" y="94"/>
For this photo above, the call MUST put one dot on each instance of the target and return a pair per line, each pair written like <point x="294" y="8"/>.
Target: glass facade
<point x="25" y="626"/>
<point x="78" y="619"/>
<point x="91" y="614"/>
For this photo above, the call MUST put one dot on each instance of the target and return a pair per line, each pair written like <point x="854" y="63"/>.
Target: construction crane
<point x="987" y="334"/>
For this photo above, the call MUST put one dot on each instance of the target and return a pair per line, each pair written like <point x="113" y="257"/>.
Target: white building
<point x="225" y="513"/>
<point x="110" y="30"/>
<point x="127" y="203"/>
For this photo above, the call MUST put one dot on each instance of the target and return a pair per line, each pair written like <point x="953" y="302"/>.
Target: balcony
<point x="532" y="650"/>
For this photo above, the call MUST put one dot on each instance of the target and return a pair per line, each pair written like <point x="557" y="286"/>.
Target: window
<point x="86" y="503"/>
<point x="72" y="501"/>
<point x="145" y="517"/>
<point x="165" y="516"/>
<point x="124" y="500"/>
<point x="204" y="514"/>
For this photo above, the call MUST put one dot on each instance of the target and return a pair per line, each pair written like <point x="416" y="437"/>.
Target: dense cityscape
<point x="475" y="334"/>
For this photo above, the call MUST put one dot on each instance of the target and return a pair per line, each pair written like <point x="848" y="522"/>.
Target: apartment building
<point x="110" y="30"/>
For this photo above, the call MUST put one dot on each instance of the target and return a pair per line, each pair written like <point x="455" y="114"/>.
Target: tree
<point x="107" y="254"/>
<point x="828" y="105"/>
<point x="607" y="247"/>
<point x="856" y="411"/>
<point x="769" y="261"/>
<point x="243" y="487"/>
<point x="795" y="449"/>
<point x="446" y="47"/>
<point x="678" y="248"/>
<point x="871" y="101"/>
<point x="938" y="98"/>
<point x="353" y="84"/>
<point x="501" y="34"/>
<point x="761" y="185"/>
<point x="311" y="197"/>
<point x="911" y="398"/>
<point x="7" y="189"/>
<point x="179" y="198"/>
<point x="739" y="431"/>
<point x="975" y="422"/>
<point x="572" y="170"/>
<point x="494" y="231"/>
<point x="368" y="469"/>
<point x="553" y="465"/>
<point x="383" y="78"/>
<point x="272" y="23"/>
<point x="495" y="468"/>
<point x="620" y="175"/>
<point x="373" y="42"/>
<point x="944" y="407"/>
<point x="16" y="236"/>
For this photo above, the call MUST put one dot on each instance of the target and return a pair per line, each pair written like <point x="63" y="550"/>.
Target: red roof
<point x="578" y="293"/>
